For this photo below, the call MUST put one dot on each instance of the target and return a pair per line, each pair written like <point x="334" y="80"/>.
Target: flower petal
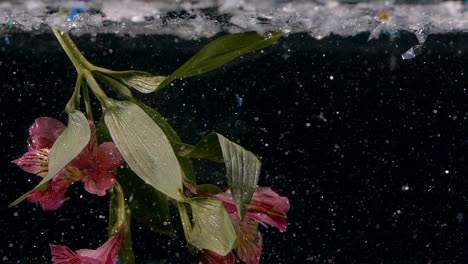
<point x="53" y="197"/>
<point x="102" y="177"/>
<point x="63" y="255"/>
<point x="99" y="182"/>
<point x="270" y="220"/>
<point x="266" y="206"/>
<point x="108" y="252"/>
<point x="43" y="132"/>
<point x="85" y="160"/>
<point x="269" y="208"/>
<point x="105" y="254"/>
<point x="210" y="257"/>
<point x="108" y="156"/>
<point x="250" y="243"/>
<point x="34" y="161"/>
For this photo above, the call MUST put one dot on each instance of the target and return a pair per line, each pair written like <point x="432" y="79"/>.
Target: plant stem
<point x="101" y="96"/>
<point x="77" y="58"/>
<point x="121" y="214"/>
<point x="186" y="224"/>
<point x="89" y="110"/>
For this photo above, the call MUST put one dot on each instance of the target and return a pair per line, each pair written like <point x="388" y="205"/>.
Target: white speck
<point x="307" y="124"/>
<point x="447" y="171"/>
<point x="331" y="78"/>
<point x="405" y="188"/>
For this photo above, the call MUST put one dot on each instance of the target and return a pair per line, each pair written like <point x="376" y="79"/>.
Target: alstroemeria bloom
<point x="266" y="208"/>
<point x="95" y="166"/>
<point x="105" y="254"/>
<point x="206" y="256"/>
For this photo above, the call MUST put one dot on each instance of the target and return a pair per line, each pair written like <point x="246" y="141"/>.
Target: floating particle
<point x="74" y="12"/>
<point x="10" y="21"/>
<point x="240" y="100"/>
<point x="460" y="217"/>
<point x="405" y="188"/>
<point x="7" y="41"/>
<point x="390" y="32"/>
<point x="384" y="16"/>
<point x="412" y="52"/>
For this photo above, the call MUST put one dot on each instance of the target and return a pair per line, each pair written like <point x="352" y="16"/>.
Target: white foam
<point x="202" y="18"/>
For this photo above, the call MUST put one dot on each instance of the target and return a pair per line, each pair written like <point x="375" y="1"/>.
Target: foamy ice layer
<point x="205" y="18"/>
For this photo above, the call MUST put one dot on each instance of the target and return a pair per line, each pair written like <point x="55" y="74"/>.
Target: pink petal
<point x="63" y="255"/>
<point x="99" y="182"/>
<point x="108" y="252"/>
<point x="102" y="176"/>
<point x="108" y="156"/>
<point x="85" y="160"/>
<point x="265" y="199"/>
<point x="269" y="208"/>
<point x="34" y="161"/>
<point x="269" y="220"/>
<point x="53" y="197"/>
<point x="250" y="243"/>
<point x="43" y="132"/>
<point x="105" y="254"/>
<point x="266" y="206"/>
<point x="210" y="257"/>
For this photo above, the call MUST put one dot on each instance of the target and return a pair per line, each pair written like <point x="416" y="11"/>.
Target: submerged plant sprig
<point x="157" y="163"/>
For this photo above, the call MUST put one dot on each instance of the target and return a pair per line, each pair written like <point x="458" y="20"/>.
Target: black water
<point x="372" y="159"/>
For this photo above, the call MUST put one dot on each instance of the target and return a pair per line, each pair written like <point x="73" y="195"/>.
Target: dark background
<point x="372" y="159"/>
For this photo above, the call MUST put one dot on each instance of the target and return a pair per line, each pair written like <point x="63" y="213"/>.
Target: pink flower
<point x="105" y="254"/>
<point x="266" y="208"/>
<point x="210" y="257"/>
<point x="95" y="166"/>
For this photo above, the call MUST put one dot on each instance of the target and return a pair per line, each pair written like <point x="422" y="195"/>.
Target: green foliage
<point x="144" y="147"/>
<point x="142" y="81"/>
<point x="159" y="166"/>
<point x="221" y="51"/>
<point x="148" y="206"/>
<point x="126" y="255"/>
<point x="242" y="166"/>
<point x="213" y="228"/>
<point x="24" y="196"/>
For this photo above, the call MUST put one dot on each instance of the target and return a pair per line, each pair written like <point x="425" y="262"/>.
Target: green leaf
<point x="69" y="144"/>
<point x="24" y="196"/>
<point x="209" y="188"/>
<point x="102" y="133"/>
<point x="142" y="81"/>
<point x="171" y="134"/>
<point x="126" y="255"/>
<point x="149" y="206"/>
<point x="114" y="84"/>
<point x="212" y="227"/>
<point x="242" y="166"/>
<point x="221" y="51"/>
<point x="207" y="148"/>
<point x="144" y="147"/>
